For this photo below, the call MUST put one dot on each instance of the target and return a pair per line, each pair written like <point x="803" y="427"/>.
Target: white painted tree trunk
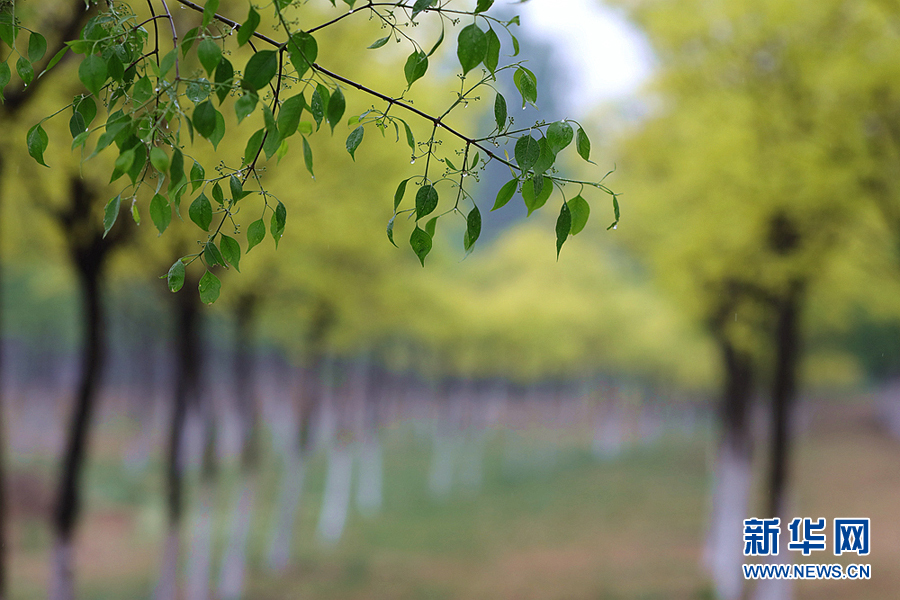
<point x="370" y="478"/>
<point x="471" y="472"/>
<point x="609" y="436"/>
<point x="199" y="560"/>
<point x="62" y="580"/>
<point x="279" y="554"/>
<point x="440" y="475"/>
<point x="234" y="563"/>
<point x="724" y="552"/>
<point x="167" y="585"/>
<point x="777" y="589"/>
<point x="336" y="498"/>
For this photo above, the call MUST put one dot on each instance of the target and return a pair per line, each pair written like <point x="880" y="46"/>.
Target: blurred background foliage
<point x="764" y="154"/>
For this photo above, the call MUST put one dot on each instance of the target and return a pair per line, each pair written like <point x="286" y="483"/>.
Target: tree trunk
<point x="68" y="503"/>
<point x="187" y="305"/>
<point x="234" y="563"/>
<point x="730" y="499"/>
<point x="88" y="249"/>
<point x="784" y="395"/>
<point x="2" y="419"/>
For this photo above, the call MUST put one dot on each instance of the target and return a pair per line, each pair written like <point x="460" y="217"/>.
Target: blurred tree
<point x="743" y="197"/>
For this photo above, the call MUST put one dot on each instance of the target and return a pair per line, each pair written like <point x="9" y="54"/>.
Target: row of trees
<point x="762" y="194"/>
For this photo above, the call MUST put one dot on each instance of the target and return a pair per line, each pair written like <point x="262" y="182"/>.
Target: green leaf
<point x="205" y="119"/>
<point x="308" y="157"/>
<point x="415" y="67"/>
<point x="438" y="43"/>
<point x="231" y="251"/>
<point x="212" y="255"/>
<point x="37" y="142"/>
<point x="317" y="107"/>
<point x="76" y="124"/>
<point x="379" y="42"/>
<point x="219" y="132"/>
<point x="546" y="158"/>
<point x="254" y="145"/>
<point x="92" y="73"/>
<point x="390" y="231"/>
<point x="615" y="213"/>
<point x="410" y="140"/>
<point x="421" y="5"/>
<point x="559" y="135"/>
<point x="471" y="46"/>
<point x="277" y="224"/>
<point x="56" y="58"/>
<point x="526" y="83"/>
<point x="175" y="277"/>
<point x="256" y="231"/>
<point x="354" y="140"/>
<point x="25" y="70"/>
<point x="289" y="115"/>
<point x="114" y="68"/>
<point x="159" y="159"/>
<point x="142" y="91"/>
<point x="123" y="163"/>
<point x="210" y="286"/>
<point x="473" y="229"/>
<point x="430" y="226"/>
<point x="336" y="107"/>
<point x="260" y="69"/>
<point x="209" y="11"/>
<point x="528" y="150"/>
<point x="535" y="192"/>
<point x="500" y="111"/>
<point x="244" y="106"/>
<point x="111" y="213"/>
<point x="248" y="27"/>
<point x="37" y="47"/>
<point x="209" y="54"/>
<point x="224" y="78"/>
<point x="198" y="175"/>
<point x="272" y="142"/>
<point x="506" y="193"/>
<point x="421" y="243"/>
<point x="160" y="212"/>
<point x="8" y="29"/>
<point x="580" y="210"/>
<point x="426" y="200"/>
<point x="200" y="212"/>
<point x="483" y="5"/>
<point x="176" y="169"/>
<point x="168" y="61"/>
<point x="492" y="55"/>
<point x="398" y="195"/>
<point x="5" y="76"/>
<point x="237" y="188"/>
<point x="563" y="227"/>
<point x="303" y="51"/>
<point x="583" y="145"/>
<point x="198" y="91"/>
<point x="140" y="159"/>
<point x="217" y="193"/>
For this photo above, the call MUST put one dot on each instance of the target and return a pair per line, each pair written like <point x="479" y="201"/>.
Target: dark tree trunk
<point x="784" y="394"/>
<point x="88" y="250"/>
<point x="2" y="422"/>
<point x="187" y="386"/>
<point x="245" y="379"/>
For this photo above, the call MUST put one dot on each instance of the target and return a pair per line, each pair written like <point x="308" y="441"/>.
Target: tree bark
<point x="187" y="378"/>
<point x="88" y="250"/>
<point x="784" y="395"/>
<point x="730" y="499"/>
